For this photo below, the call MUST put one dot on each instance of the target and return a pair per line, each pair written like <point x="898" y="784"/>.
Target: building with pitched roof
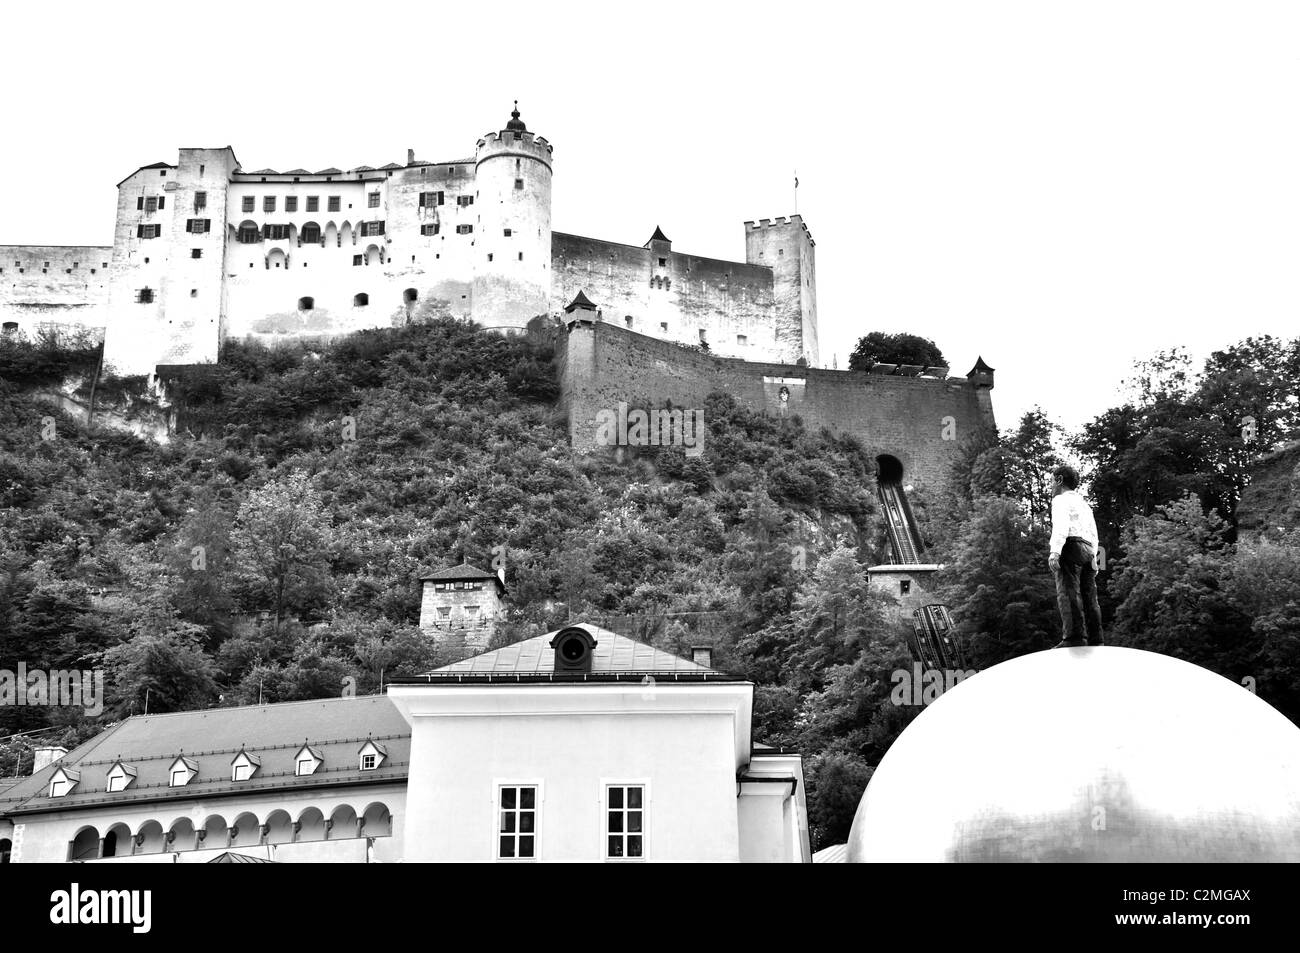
<point x="580" y="744"/>
<point x="460" y="607"/>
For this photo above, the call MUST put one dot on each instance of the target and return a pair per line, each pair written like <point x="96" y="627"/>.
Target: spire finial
<point x="516" y="124"/>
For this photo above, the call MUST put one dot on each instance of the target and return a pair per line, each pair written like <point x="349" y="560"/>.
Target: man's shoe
<point x="1070" y="644"/>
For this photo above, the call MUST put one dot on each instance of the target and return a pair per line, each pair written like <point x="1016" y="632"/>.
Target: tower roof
<point x="580" y="301"/>
<point x="659" y="236"/>
<point x="980" y="367"/>
<point x="516" y="124"/>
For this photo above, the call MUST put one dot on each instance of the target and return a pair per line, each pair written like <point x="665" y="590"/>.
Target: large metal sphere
<point x="1089" y="754"/>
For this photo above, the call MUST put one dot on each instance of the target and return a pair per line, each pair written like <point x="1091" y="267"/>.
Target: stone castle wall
<point x="54" y="287"/>
<point x="921" y="421"/>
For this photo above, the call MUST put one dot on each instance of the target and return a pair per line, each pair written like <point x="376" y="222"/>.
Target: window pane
<point x="616" y="847"/>
<point x="615" y="822"/>
<point x="507" y="847"/>
<point x="526" y="820"/>
<point x="634" y="821"/>
<point x="508" y="797"/>
<point x="633" y="797"/>
<point x="634" y="845"/>
<point x="525" y="847"/>
<point x="527" y="797"/>
<point x="507" y="822"/>
<point x="615" y="797"/>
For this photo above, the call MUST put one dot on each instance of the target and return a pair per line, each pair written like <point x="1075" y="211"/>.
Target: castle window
<point x="360" y="300"/>
<point x="334" y="203"/>
<point x="310" y="233"/>
<point x="313" y="203"/>
<point x="291" y="203"/>
<point x="410" y="295"/>
<point x="373" y="200"/>
<point x="268" y="203"/>
<point x="306" y="304"/>
<point x="358" y="259"/>
<point x="196" y="252"/>
<point x="194" y="292"/>
<point x="198" y="226"/>
<point x="489" y="256"/>
<point x="144" y="296"/>
<point x="276" y="233"/>
<point x="703" y="338"/>
<point x="148" y="231"/>
<point x="663" y="326"/>
<point x="521" y="256"/>
<point x="430" y="199"/>
<point x="904" y="586"/>
<point x="150" y="205"/>
<point x="663" y="262"/>
<point x="517" y="822"/>
<point x="162" y="171"/>
<point x="463" y="200"/>
<point x="248" y="203"/>
<point x="464" y="229"/>
<point x="628" y="320"/>
<point x="371" y="228"/>
<point x="519" y="183"/>
<point x="248" y="234"/>
<point x="200" y="201"/>
<point x="10" y="327"/>
<point x="741" y="340"/>
<point x="429" y="229"/>
<point x="780" y="252"/>
<point x="507" y="233"/>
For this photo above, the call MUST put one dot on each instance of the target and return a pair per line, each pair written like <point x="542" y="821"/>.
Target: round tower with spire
<point x="512" y="234"/>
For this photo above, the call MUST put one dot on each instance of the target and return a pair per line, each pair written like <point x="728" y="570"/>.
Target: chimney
<point x="46" y="756"/>
<point x="702" y="655"/>
<point x="410" y="157"/>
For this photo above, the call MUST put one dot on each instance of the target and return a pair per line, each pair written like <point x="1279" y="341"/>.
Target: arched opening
<point x="215" y="832"/>
<point x="181" y="836"/>
<point x="346" y="237"/>
<point x="248" y="233"/>
<point x="10" y="327"/>
<point x="410" y="296"/>
<point x="85" y="846"/>
<point x="331" y="235"/>
<point x="149" y="838"/>
<point x="245" y="831"/>
<point x="279" y="828"/>
<point x="378" y="821"/>
<point x="360" y="300"/>
<point x="888" y="469"/>
<point x="343" y="822"/>
<point x="6" y="847"/>
<point x="307" y="304"/>
<point x="373" y="255"/>
<point x="276" y="258"/>
<point x="117" y="842"/>
<point x="310" y="234"/>
<point x="311" y="824"/>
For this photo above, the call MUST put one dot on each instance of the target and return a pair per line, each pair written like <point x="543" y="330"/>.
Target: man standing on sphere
<point x="1073" y="545"/>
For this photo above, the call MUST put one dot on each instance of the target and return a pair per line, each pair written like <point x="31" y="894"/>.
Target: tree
<point x="836" y="782"/>
<point x="878" y="347"/>
<point x="161" y="670"/>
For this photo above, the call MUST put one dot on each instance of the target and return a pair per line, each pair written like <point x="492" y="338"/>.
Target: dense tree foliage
<point x="879" y="347"/>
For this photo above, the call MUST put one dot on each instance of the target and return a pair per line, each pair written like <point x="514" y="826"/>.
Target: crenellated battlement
<point x="781" y="221"/>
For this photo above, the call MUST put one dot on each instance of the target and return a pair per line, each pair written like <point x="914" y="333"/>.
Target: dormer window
<point x="120" y="777"/>
<point x="244" y="766"/>
<point x="306" y="761"/>
<point x="63" y="781"/>
<point x="182" y="772"/>
<point x="372" y="755"/>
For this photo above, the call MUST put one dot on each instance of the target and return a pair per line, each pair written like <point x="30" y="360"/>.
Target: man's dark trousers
<point x="1076" y="592"/>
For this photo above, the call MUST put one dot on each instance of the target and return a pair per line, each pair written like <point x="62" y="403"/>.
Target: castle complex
<point x="204" y="251"/>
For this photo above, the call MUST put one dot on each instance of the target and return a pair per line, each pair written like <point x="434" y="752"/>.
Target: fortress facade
<point x="203" y="251"/>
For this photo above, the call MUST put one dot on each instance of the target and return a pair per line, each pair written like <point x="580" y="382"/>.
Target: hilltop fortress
<point x="203" y="252"/>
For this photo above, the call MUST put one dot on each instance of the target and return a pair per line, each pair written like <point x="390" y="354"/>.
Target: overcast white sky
<point x="1060" y="187"/>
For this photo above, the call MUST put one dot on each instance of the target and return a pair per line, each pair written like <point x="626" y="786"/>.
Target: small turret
<point x="981" y="375"/>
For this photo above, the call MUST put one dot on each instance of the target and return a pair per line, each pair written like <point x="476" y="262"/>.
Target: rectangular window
<point x="371" y="228"/>
<point x="150" y="205"/>
<point x="268" y="203"/>
<point x="275" y="233"/>
<point x="313" y="203"/>
<point x="367" y="762"/>
<point x="463" y="200"/>
<point x="464" y="229"/>
<point x="334" y="203"/>
<point x="517" y="823"/>
<point x="507" y="233"/>
<point x="372" y="200"/>
<point x="196" y="252"/>
<point x="358" y="259"/>
<point x="248" y="203"/>
<point x="291" y="203"/>
<point x="624" y="822"/>
<point x="519" y="183"/>
<point x="198" y="226"/>
<point x="117" y="783"/>
<point x="148" y="231"/>
<point x="139" y="203"/>
<point x="162" y="200"/>
<point x="428" y="229"/>
<point x="200" y="201"/>
<point x="144" y="296"/>
<point x="430" y="199"/>
<point x="663" y="262"/>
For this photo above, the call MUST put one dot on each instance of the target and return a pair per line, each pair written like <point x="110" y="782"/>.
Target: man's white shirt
<point x="1071" y="516"/>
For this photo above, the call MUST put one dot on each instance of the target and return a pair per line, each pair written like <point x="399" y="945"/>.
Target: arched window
<point x="249" y="233"/>
<point x="5" y="847"/>
<point x="310" y="233"/>
<point x="10" y="327"/>
<point x="410" y="295"/>
<point x="360" y="300"/>
<point x="306" y="304"/>
<point x="628" y="320"/>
